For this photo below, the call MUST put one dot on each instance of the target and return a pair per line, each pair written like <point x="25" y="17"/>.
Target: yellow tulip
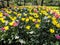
<point x="19" y="14"/>
<point x="14" y="18"/>
<point x="53" y="18"/>
<point x="49" y="16"/>
<point x="54" y="22"/>
<point x="28" y="27"/>
<point x="33" y="20"/>
<point x="11" y="23"/>
<point x="10" y="17"/>
<point x="27" y="19"/>
<point x="30" y="17"/>
<point x="38" y="20"/>
<point x="37" y="25"/>
<point x="23" y="19"/>
<point x="3" y="21"/>
<point x="25" y="14"/>
<point x="9" y="12"/>
<point x="58" y="25"/>
<point x="36" y="16"/>
<point x="1" y="18"/>
<point x="6" y="27"/>
<point x="1" y="14"/>
<point x="52" y="31"/>
<point x="15" y="12"/>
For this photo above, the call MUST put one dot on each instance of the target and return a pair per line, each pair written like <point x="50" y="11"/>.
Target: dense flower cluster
<point x="31" y="24"/>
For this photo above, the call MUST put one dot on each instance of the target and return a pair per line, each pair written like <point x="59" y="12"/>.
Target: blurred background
<point x="5" y="3"/>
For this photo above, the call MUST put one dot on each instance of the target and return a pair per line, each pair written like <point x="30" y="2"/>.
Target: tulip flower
<point x="57" y="36"/>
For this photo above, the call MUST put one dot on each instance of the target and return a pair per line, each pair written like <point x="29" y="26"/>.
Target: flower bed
<point x="30" y="25"/>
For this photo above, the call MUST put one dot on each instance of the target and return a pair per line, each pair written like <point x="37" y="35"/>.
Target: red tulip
<point x="57" y="37"/>
<point x="56" y="15"/>
<point x="5" y="14"/>
<point x="2" y="28"/>
<point x="15" y="24"/>
<point x="53" y="13"/>
<point x="35" y="22"/>
<point x="35" y="10"/>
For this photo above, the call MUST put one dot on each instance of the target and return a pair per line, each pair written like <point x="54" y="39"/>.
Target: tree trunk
<point x="42" y="2"/>
<point x="24" y="2"/>
<point x="2" y="4"/>
<point x="8" y="3"/>
<point x="20" y="2"/>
